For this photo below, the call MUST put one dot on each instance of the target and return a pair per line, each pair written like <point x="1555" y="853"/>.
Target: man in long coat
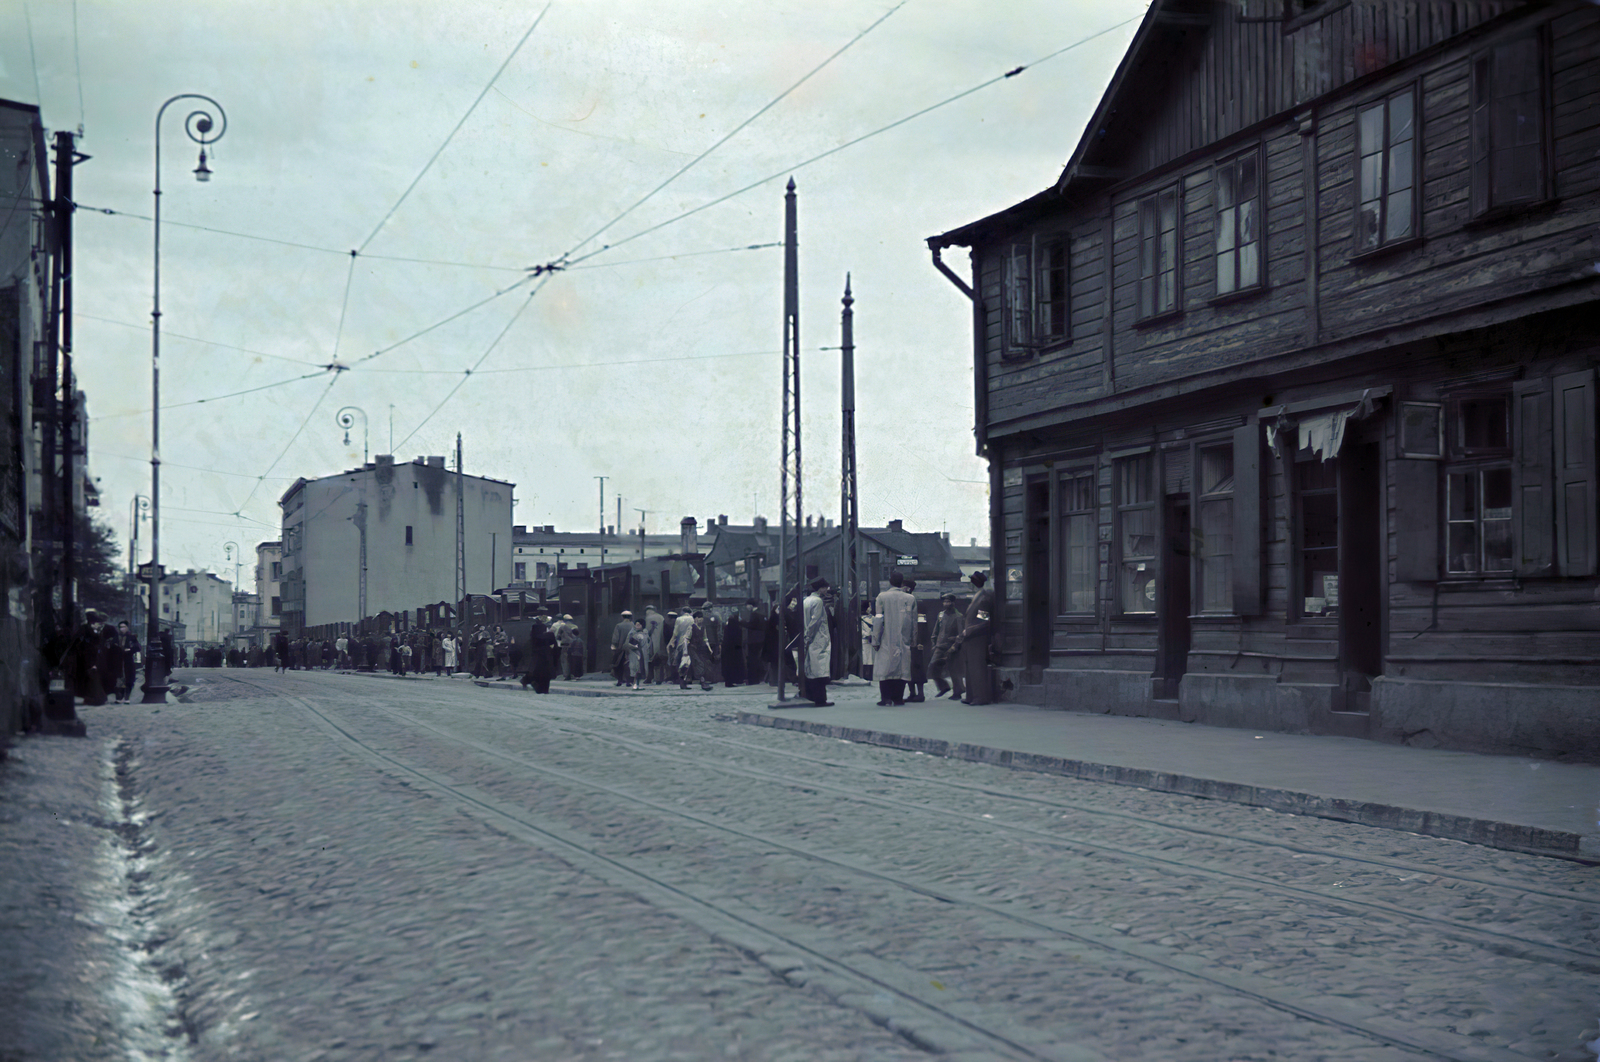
<point x="975" y="631"/>
<point x="817" y="659"/>
<point x="894" y="629"/>
<point x="619" y="647"/>
<point x="655" y="630"/>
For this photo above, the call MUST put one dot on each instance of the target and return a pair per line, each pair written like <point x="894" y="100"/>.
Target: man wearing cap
<point x="975" y="628"/>
<point x="619" y="647"/>
<point x="946" y="638"/>
<point x="817" y="658"/>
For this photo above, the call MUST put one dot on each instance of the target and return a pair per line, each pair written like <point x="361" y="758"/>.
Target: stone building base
<point x="1508" y="718"/>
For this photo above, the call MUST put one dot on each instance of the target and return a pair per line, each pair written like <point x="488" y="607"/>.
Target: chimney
<point x="896" y="525"/>
<point x="947" y="537"/>
<point x="549" y="529"/>
<point x="383" y="460"/>
<point x="722" y="520"/>
<point x="519" y="529"/>
<point x="436" y="462"/>
<point x="808" y="523"/>
<point x="610" y="530"/>
<point x="688" y="539"/>
<point x="760" y="523"/>
<point x="974" y="543"/>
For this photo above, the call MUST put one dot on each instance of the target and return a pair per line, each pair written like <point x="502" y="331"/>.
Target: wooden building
<point x="1288" y="382"/>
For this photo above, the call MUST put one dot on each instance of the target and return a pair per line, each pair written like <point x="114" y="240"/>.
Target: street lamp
<point x="346" y="419"/>
<point x="203" y="129"/>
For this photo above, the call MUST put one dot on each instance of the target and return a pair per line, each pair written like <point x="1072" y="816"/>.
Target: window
<point x="1387" y="160"/>
<point x="1136" y="531"/>
<point x="1213" y="540"/>
<point x="1509" y="141"/>
<point x="519" y="571"/>
<point x="1239" y="223"/>
<point x="1421" y="429"/>
<point x="542" y="571"/>
<point x="1052" y="311"/>
<point x="277" y="571"/>
<point x="1317" y="529"/>
<point x="1078" y="561"/>
<point x="408" y="534"/>
<point x="1479" y="486"/>
<point x="1036" y="295"/>
<point x="1158" y="253"/>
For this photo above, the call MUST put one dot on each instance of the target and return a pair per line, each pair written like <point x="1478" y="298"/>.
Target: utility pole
<point x="791" y="422"/>
<point x="60" y="331"/>
<point x="461" y="538"/>
<point x="849" y="607"/>
<point x="602" y="480"/>
<point x="360" y="521"/>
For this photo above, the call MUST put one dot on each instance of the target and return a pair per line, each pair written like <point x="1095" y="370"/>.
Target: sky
<point x="453" y="149"/>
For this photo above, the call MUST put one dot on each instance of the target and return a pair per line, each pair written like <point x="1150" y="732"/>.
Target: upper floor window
<point x="1160" y="244"/>
<point x="1239" y="223"/>
<point x="1509" y="140"/>
<point x="1387" y="182"/>
<point x="1036" y="295"/>
<point x="277" y="571"/>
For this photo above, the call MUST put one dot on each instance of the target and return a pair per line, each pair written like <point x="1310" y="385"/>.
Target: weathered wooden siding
<point x="1230" y="76"/>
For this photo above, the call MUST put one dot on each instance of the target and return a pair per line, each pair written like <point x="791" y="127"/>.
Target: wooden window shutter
<point x="1575" y="495"/>
<point x="1247" y="589"/>
<point x="1533" y="520"/>
<point x="1416" y="520"/>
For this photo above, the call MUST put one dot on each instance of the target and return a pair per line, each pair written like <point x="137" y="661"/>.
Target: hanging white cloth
<point x="1323" y="434"/>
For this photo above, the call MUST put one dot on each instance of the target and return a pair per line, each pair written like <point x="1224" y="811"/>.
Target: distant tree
<point x="96" y="553"/>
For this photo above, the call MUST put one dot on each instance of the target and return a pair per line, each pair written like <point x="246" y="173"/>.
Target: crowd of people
<point x="901" y="648"/>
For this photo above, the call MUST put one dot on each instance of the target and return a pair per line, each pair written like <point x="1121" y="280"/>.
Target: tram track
<point x="1508" y="944"/>
<point x="1349" y="1017"/>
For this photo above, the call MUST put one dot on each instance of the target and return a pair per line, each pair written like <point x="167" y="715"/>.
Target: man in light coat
<point x="818" y="656"/>
<point x="894" y="630"/>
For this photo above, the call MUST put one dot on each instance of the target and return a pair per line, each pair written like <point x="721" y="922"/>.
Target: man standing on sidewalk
<point x="619" y="647"/>
<point x="816" y="660"/>
<point x="946" y="639"/>
<point x="893" y="630"/>
<point x="654" y="629"/>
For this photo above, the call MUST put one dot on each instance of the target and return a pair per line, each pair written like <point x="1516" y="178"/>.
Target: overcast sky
<point x="654" y="363"/>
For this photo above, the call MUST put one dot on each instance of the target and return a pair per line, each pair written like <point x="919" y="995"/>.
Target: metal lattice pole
<point x="791" y="422"/>
<point x="849" y="515"/>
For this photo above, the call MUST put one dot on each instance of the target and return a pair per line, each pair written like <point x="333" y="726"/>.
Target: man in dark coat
<point x="755" y="646"/>
<point x="733" y="651"/>
<point x="92" y="652"/>
<point x="975" y="633"/>
<point x="619" y="647"/>
<point x="541" y="664"/>
<point x="946" y="635"/>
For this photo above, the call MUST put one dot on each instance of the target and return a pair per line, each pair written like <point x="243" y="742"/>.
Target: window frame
<point x="1200" y="499"/>
<point x="1462" y="460"/>
<point x="1383" y="243"/>
<point x="1147" y="209"/>
<point x="1239" y="290"/>
<point x="1484" y="205"/>
<point x="1066" y="517"/>
<point x="1121" y="510"/>
<point x="1298" y="547"/>
<point x="1036" y="316"/>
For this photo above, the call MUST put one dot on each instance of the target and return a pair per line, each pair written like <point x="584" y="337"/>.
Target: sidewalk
<point x="1509" y="802"/>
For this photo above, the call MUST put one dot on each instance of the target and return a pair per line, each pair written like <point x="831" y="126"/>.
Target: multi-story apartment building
<point x="1288" y="382"/>
<point x="400" y="519"/>
<point x="269" y="588"/>
<point x="197" y="605"/>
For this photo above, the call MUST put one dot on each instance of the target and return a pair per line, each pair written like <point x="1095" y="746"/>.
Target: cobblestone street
<point x="331" y="866"/>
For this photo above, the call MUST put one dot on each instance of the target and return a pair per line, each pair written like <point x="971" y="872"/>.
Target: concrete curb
<point x="1510" y="836"/>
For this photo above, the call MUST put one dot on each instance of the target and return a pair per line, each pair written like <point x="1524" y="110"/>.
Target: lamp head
<point x="201" y="172"/>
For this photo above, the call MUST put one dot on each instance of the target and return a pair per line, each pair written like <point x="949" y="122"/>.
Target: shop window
<point x="1160" y="245"/>
<point x="1238" y="196"/>
<point x="1510" y="141"/>
<point x="1078" y="542"/>
<point x="1213" y="536"/>
<point x="1387" y="166"/>
<point x="1317" y="533"/>
<point x="1136" y="534"/>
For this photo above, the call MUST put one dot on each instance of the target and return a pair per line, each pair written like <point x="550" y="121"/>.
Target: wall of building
<point x="321" y="544"/>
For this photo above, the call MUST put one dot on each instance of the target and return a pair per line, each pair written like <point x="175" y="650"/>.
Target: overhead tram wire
<point x="545" y="270"/>
<point x="79" y="314"/>
<point x="581" y="365"/>
<point x="297" y="432"/>
<point x="467" y="375"/>
<point x="111" y="212"/>
<point x="779" y="98"/>
<point x="440" y="150"/>
<point x="787" y="170"/>
<point x="173" y="464"/>
<point x="214" y="398"/>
